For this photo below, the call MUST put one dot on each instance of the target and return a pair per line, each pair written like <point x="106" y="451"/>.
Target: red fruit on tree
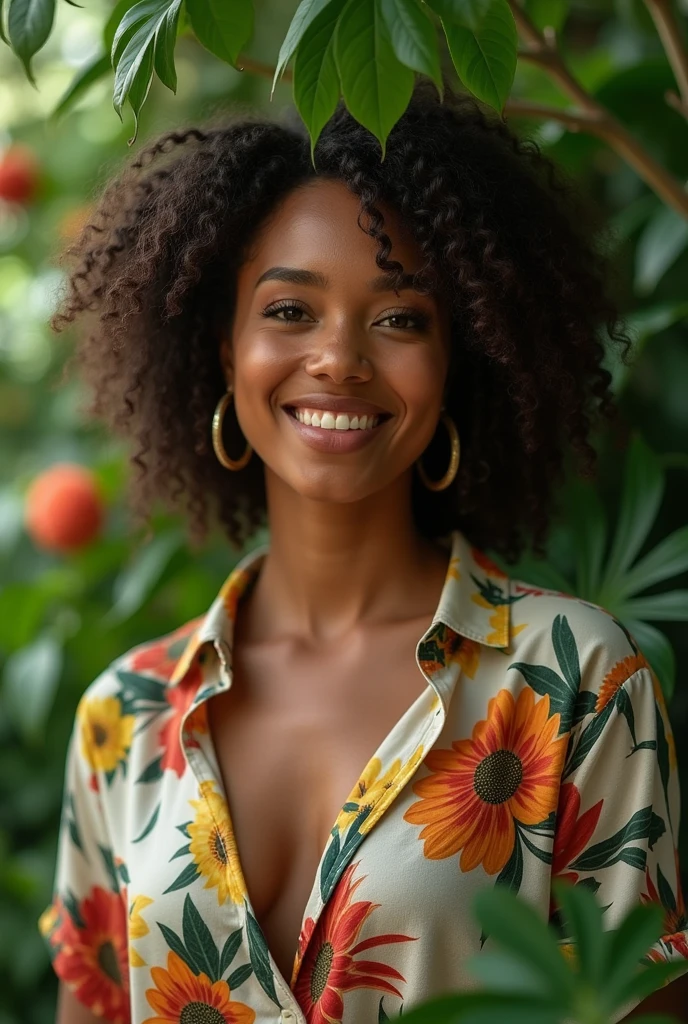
<point x="18" y="174"/>
<point x="64" y="509"/>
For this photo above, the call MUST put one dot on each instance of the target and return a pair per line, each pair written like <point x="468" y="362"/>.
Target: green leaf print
<point x="511" y="874"/>
<point x="545" y="681"/>
<point x="229" y="950"/>
<point x="329" y="861"/>
<point x="109" y="862"/>
<point x="149" y="827"/>
<point x="199" y="941"/>
<point x="176" y="945"/>
<point x="188" y="875"/>
<point x="605" y="853"/>
<point x="625" y="708"/>
<point x="584" y="706"/>
<point x="260" y="957"/>
<point x="336" y="859"/>
<point x="72" y="906"/>
<point x="153" y="772"/>
<point x="564" y="644"/>
<point x="239" y="976"/>
<point x="588" y="739"/>
<point x="135" y="688"/>
<point x="381" y="1015"/>
<point x="663" y="757"/>
<point x="666" y="893"/>
<point x="183" y="851"/>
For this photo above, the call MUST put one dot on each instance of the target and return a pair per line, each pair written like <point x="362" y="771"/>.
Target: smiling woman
<point x="286" y="807"/>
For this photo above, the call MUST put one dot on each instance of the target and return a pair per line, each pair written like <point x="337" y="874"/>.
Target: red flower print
<point x="328" y="968"/>
<point x="93" y="960"/>
<point x="486" y="563"/>
<point x="161" y="659"/>
<point x="676" y="920"/>
<point x="180" y="698"/>
<point x="573" y="833"/>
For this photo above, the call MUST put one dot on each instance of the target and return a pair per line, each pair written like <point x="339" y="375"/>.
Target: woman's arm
<point x="71" y="1011"/>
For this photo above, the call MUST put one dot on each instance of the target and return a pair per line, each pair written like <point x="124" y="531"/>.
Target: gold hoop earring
<point x="448" y="478"/>
<point x="218" y="418"/>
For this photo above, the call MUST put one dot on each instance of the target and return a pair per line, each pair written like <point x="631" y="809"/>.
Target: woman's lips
<point x="336" y="441"/>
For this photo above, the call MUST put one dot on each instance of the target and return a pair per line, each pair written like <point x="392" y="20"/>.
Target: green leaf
<point x="329" y="864"/>
<point x="149" y="827"/>
<point x="3" y="34"/>
<point x="260" y="957"/>
<point x="514" y="925"/>
<point x="185" y="879"/>
<point x="642" y="495"/>
<point x="485" y="58"/>
<point x="413" y="37"/>
<point x="470" y="13"/>
<point x="659" y="246"/>
<point x="316" y="80"/>
<point x="223" y="28"/>
<point x="587" y="518"/>
<point x="199" y="941"/>
<point x="176" y="945"/>
<point x="583" y="915"/>
<point x="229" y="951"/>
<point x="29" y="684"/>
<point x="376" y="86"/>
<point x="658" y="651"/>
<point x="669" y="558"/>
<point x="544" y="680"/>
<point x="604" y="853"/>
<point x="500" y="971"/>
<point x="29" y="24"/>
<point x="306" y="12"/>
<point x="487" y="1008"/>
<point x="93" y="72"/>
<point x="565" y="648"/>
<point x="165" y="42"/>
<point x="641" y="927"/>
<point x="136" y="687"/>
<point x="153" y="772"/>
<point x="588" y="738"/>
<point x="672" y="606"/>
<point x="134" y="15"/>
<point x="110" y="27"/>
<point x="239" y="976"/>
<point x="138" y="581"/>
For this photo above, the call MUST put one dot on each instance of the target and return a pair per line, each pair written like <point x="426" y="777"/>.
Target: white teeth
<point x="335" y="421"/>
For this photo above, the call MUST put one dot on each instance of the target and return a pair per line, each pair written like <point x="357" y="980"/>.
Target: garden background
<point x="64" y="617"/>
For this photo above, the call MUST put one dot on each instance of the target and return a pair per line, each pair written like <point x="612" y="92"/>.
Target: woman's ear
<point x="226" y="361"/>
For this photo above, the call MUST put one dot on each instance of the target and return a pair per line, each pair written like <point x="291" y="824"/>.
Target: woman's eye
<point x="289" y="309"/>
<point x="405" y="320"/>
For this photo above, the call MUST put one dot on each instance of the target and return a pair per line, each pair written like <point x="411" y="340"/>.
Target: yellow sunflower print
<point x="213" y="847"/>
<point x="105" y="732"/>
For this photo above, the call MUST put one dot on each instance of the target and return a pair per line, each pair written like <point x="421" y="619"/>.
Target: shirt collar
<point x="475" y="602"/>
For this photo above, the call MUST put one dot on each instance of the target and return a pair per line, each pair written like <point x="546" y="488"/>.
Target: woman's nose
<point x="340" y="357"/>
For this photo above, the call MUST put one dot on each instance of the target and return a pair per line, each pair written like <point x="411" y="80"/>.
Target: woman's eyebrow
<point x="293" y="275"/>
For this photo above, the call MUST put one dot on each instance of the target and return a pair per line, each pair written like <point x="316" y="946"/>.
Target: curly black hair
<point x="503" y="233"/>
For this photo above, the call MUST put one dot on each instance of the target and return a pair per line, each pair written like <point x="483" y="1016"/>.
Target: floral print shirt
<point x="539" y="749"/>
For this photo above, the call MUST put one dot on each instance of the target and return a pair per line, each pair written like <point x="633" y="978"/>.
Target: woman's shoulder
<point x="580" y="641"/>
<point x="147" y="667"/>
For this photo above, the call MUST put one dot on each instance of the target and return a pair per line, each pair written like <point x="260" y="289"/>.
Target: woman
<point x="396" y="357"/>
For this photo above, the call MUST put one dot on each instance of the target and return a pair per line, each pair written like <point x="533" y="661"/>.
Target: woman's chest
<point x="293" y="739"/>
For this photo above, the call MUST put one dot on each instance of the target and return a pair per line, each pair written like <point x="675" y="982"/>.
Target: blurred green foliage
<point x="63" y="618"/>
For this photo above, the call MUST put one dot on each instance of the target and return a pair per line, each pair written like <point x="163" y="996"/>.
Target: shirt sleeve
<point x="618" y="815"/>
<point x="85" y="926"/>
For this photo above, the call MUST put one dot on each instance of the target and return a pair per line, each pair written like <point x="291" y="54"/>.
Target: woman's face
<point x="320" y="336"/>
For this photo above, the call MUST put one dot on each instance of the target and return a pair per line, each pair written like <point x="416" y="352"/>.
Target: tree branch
<point x="669" y="32"/>
<point x="542" y="49"/>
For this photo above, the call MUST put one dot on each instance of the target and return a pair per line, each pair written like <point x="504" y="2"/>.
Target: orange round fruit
<point x="19" y="174"/>
<point x="64" y="509"/>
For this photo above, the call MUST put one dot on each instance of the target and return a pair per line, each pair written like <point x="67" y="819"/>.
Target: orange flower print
<point x="573" y="833"/>
<point x="233" y="589"/>
<point x="92" y="958"/>
<point x="508" y="772"/>
<point x="180" y="995"/>
<point x="328" y="968"/>
<point x="617" y="676"/>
